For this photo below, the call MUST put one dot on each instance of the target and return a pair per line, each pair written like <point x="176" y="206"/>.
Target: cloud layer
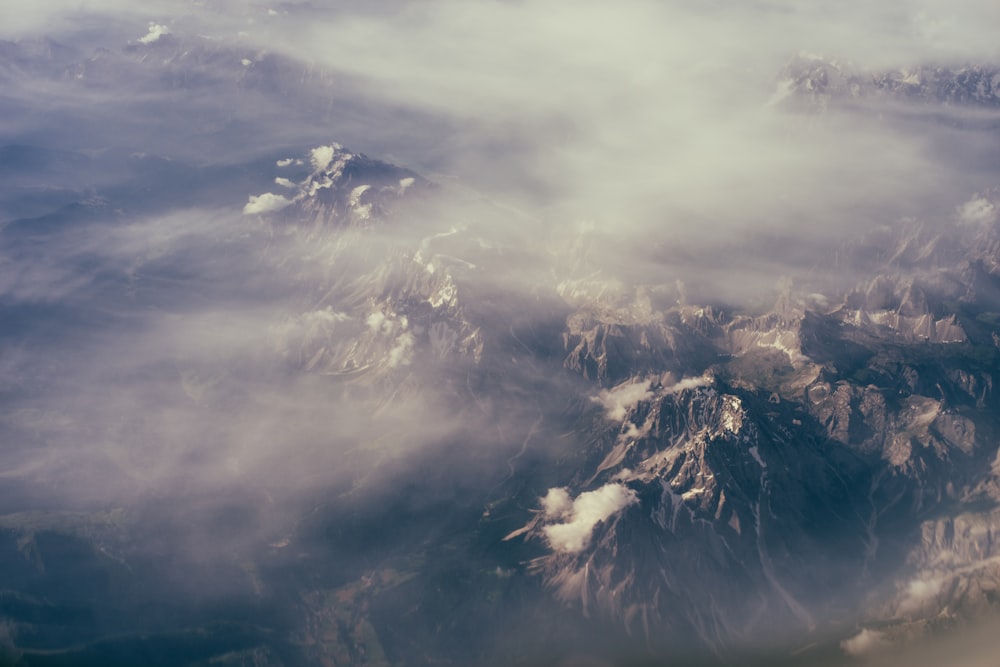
<point x="161" y="350"/>
<point x="646" y="134"/>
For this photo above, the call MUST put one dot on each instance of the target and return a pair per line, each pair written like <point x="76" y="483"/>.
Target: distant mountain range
<point x="820" y="80"/>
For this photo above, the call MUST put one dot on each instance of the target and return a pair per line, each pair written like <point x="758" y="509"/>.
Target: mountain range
<point x="392" y="421"/>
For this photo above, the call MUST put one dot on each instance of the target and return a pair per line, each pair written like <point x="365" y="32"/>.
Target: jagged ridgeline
<point x="473" y="439"/>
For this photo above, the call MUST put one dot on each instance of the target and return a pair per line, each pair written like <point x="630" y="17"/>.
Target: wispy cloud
<point x="618" y="400"/>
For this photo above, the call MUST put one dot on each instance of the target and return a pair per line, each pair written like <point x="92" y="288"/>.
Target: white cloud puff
<point x="690" y="383"/>
<point x="618" y="400"/>
<point x="864" y="643"/>
<point x="589" y="509"/>
<point x="265" y="203"/>
<point x="155" y="32"/>
<point x="401" y="353"/>
<point x="978" y="210"/>
<point x="919" y="592"/>
<point x="322" y="156"/>
<point x="377" y="322"/>
<point x="557" y="503"/>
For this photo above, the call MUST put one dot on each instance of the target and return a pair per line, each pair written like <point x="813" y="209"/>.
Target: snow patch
<point x="355" y="197"/>
<point x="693" y="493"/>
<point x="732" y="414"/>
<point x="447" y="294"/>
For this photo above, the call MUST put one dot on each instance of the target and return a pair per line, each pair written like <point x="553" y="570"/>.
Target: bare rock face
<point x="608" y="351"/>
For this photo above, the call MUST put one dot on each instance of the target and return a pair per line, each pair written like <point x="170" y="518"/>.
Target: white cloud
<point x="325" y="316"/>
<point x="690" y="383"/>
<point x="285" y="162"/>
<point x="265" y="203"/>
<point x="377" y="322"/>
<point x="618" y="400"/>
<point x="589" y="509"/>
<point x="155" y="32"/>
<point x="284" y="182"/>
<point x="557" y="503"/>
<point x="322" y="156"/>
<point x="978" y="210"/>
<point x="401" y="353"/>
<point x="919" y="592"/>
<point x="864" y="643"/>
